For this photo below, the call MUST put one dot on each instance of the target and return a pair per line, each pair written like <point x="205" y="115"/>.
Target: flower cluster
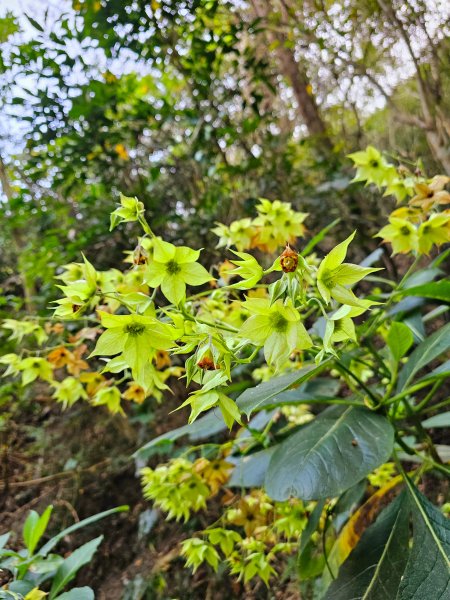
<point x="276" y="223"/>
<point x="146" y="312"/>
<point x="181" y="486"/>
<point x="418" y="225"/>
<point x="254" y="532"/>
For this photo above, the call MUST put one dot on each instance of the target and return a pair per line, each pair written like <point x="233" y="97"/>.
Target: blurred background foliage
<point x="198" y="108"/>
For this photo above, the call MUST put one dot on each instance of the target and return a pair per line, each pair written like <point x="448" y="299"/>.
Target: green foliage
<point x="34" y="567"/>
<point x="358" y="439"/>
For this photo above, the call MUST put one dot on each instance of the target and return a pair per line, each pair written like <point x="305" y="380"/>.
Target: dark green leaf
<point x="374" y="569"/>
<point x="250" y="470"/>
<point x="311" y="527"/>
<point x="437" y="373"/>
<point x="34" y="23"/>
<point x="438" y="290"/>
<point x="428" y="350"/>
<point x="257" y="397"/>
<point x="200" y="429"/>
<point x="421" y="277"/>
<point x="427" y="574"/>
<point x="328" y="456"/>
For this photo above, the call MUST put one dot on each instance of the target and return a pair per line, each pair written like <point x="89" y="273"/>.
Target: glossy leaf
<point x="428" y="350"/>
<point x="357" y="524"/>
<point x="427" y="574"/>
<point x="201" y="429"/>
<point x="69" y="568"/>
<point x="250" y="470"/>
<point x="437" y="290"/>
<point x="330" y="455"/>
<point x="255" y="398"/>
<point x="375" y="567"/>
<point x="34" y="528"/>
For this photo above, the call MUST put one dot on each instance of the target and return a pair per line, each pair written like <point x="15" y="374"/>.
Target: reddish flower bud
<point x="289" y="260"/>
<point x="206" y="363"/>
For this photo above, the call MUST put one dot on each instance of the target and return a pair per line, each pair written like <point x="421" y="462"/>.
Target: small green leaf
<point x="3" y="540"/>
<point x="311" y="526"/>
<point x="84" y="593"/>
<point x="34" y="528"/>
<point x="399" y="339"/>
<point x="201" y="429"/>
<point x="329" y="455"/>
<point x="34" y="23"/>
<point x="442" y="420"/>
<point x="318" y="237"/>
<point x="71" y="565"/>
<point x="428" y="350"/>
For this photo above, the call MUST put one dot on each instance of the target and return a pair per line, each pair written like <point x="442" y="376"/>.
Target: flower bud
<point x="140" y="255"/>
<point x="207" y="362"/>
<point x="289" y="260"/>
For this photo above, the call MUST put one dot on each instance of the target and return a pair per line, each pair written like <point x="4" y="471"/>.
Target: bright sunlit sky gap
<point x="10" y="129"/>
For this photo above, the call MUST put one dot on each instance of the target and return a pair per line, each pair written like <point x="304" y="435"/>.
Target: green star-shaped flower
<point x="172" y="268"/>
<point x="401" y="234"/>
<point x="372" y="167"/>
<point x="275" y="326"/>
<point x="136" y="338"/>
<point x="333" y="275"/>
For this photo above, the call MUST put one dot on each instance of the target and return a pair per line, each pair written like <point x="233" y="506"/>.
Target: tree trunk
<point x="295" y="72"/>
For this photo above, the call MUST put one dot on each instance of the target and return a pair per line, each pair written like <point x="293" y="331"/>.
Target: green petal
<point x="256" y="329"/>
<point x="173" y="288"/>
<point x="162" y="335"/>
<point x="276" y="349"/>
<point x="111" y="321"/>
<point x="183" y="254"/>
<point x="194" y="274"/>
<point x="303" y="340"/>
<point x="154" y="274"/>
<point x="258" y="306"/>
<point x="137" y="352"/>
<point x="110" y="342"/>
<point x="163" y="251"/>
<point x="324" y="291"/>
<point x="334" y="258"/>
<point x="348" y="274"/>
<point x="345" y="296"/>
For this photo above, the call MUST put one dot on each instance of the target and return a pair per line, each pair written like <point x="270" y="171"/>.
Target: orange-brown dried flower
<point x="289" y="259"/>
<point x="140" y="256"/>
<point x="207" y="363"/>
